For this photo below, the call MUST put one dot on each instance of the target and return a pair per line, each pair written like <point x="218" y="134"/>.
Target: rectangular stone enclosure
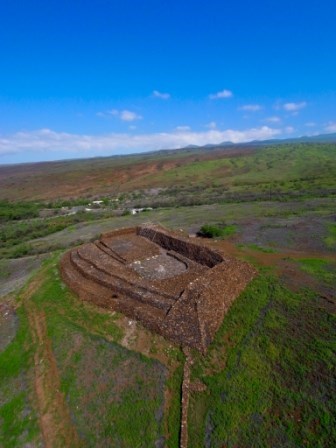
<point x="175" y="286"/>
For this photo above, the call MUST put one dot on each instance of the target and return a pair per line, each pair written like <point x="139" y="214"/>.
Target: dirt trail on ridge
<point x="54" y="416"/>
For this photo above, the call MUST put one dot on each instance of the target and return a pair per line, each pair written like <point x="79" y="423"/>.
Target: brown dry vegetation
<point x="54" y="180"/>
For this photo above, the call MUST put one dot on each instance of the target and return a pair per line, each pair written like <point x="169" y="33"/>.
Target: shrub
<point x="217" y="230"/>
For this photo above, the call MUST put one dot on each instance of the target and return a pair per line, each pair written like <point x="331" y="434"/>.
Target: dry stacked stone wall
<point x="185" y="305"/>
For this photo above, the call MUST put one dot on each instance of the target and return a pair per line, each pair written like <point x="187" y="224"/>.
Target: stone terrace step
<point x="100" y="295"/>
<point x="91" y="271"/>
<point x="91" y="253"/>
<point x="105" y="262"/>
<point x="83" y="285"/>
<point x="102" y="246"/>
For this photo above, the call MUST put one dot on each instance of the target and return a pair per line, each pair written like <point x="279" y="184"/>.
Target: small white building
<point x="135" y="211"/>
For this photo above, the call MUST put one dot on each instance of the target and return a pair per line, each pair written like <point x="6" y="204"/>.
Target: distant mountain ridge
<point x="320" y="138"/>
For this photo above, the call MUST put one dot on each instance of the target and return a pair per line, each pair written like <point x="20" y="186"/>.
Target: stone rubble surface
<point x="175" y="286"/>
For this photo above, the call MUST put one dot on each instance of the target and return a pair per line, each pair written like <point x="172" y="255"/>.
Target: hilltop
<point x="234" y="168"/>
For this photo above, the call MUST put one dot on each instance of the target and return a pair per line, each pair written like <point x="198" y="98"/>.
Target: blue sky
<point x="84" y="78"/>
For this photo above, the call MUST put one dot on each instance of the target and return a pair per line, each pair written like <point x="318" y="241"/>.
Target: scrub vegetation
<point x="217" y="230"/>
<point x="269" y="374"/>
<point x="74" y="375"/>
<point x="115" y="395"/>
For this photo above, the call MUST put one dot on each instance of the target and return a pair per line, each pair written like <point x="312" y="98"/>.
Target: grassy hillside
<point x="269" y="374"/>
<point x="301" y="163"/>
<point x="283" y="168"/>
<point x="268" y="378"/>
<point x="72" y="374"/>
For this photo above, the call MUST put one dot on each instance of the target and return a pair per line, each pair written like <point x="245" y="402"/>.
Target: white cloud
<point x="63" y="144"/>
<point x="310" y="124"/>
<point x="183" y="128"/>
<point x="273" y="119"/>
<point x="331" y="127"/>
<point x="222" y="94"/>
<point x="294" y="107"/>
<point x="211" y="125"/>
<point x="251" y="107"/>
<point x="124" y="115"/>
<point x="289" y="129"/>
<point x="127" y="115"/>
<point x="162" y="96"/>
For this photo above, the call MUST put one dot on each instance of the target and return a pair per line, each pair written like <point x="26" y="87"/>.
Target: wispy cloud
<point x="63" y="144"/>
<point x="289" y="129"/>
<point x="124" y="115"/>
<point x="183" y="128"/>
<point x="294" y="107"/>
<point x="310" y="124"/>
<point x="251" y="107"/>
<point x="273" y="119"/>
<point x="222" y="94"/>
<point x="127" y="115"/>
<point x="331" y="127"/>
<point x="211" y="125"/>
<point x="162" y="96"/>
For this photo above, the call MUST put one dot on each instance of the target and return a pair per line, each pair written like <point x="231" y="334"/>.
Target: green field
<point x="270" y="372"/>
<point x="115" y="395"/>
<point x="182" y="176"/>
<point x="304" y="163"/>
<point x="72" y="374"/>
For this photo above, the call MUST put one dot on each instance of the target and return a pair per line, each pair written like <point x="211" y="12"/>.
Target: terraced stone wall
<point x="196" y="252"/>
<point x="191" y="315"/>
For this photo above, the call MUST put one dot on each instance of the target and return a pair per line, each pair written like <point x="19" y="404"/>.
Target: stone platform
<point x="175" y="286"/>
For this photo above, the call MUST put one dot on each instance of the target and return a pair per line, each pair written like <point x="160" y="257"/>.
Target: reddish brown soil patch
<point x="185" y="399"/>
<point x="184" y="297"/>
<point x="55" y="421"/>
<point x="8" y="324"/>
<point x="68" y="179"/>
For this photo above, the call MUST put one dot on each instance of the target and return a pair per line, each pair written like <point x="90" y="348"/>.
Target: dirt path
<point x="185" y="399"/>
<point x="54" y="416"/>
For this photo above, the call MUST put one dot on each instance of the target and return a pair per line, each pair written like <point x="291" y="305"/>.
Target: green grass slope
<point x="291" y="166"/>
<point x="270" y="373"/>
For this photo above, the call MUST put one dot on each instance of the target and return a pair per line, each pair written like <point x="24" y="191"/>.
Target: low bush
<point x="217" y="230"/>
